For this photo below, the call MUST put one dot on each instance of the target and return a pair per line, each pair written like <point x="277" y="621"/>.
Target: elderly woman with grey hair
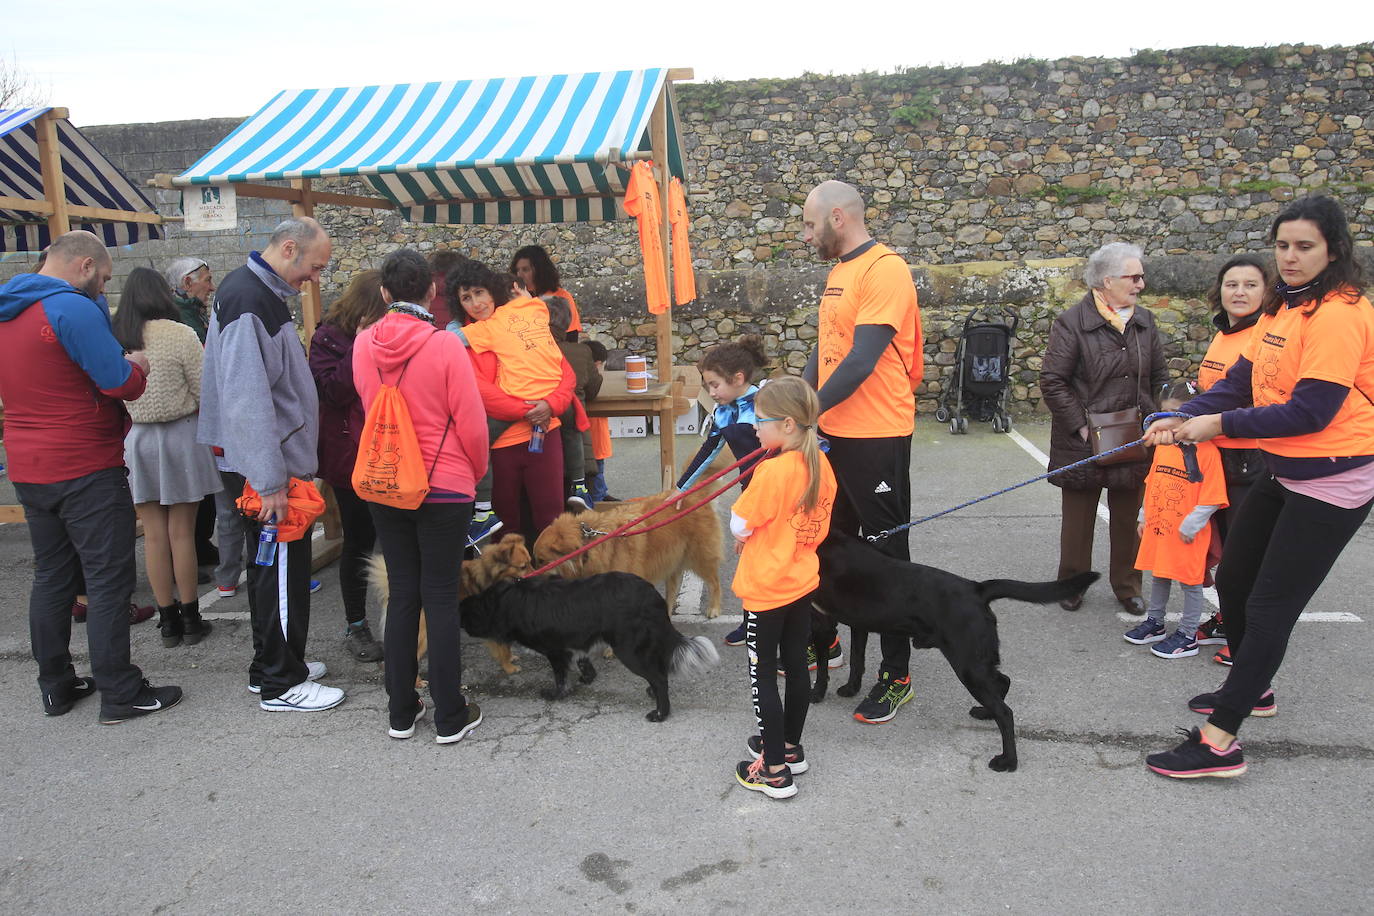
<point x="1104" y="354"/>
<point x="192" y="285"/>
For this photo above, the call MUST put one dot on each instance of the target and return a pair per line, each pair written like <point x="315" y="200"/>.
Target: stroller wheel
<point x="963" y="424"/>
<point x="954" y="427"/>
<point x="941" y="415"/>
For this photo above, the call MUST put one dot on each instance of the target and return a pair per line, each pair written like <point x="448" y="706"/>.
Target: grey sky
<point x="155" y="60"/>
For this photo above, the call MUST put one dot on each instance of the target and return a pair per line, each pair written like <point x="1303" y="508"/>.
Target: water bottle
<point x="537" y="439"/>
<point x="267" y="543"/>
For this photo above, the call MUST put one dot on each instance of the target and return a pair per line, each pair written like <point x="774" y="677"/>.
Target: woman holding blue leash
<point x="1309" y="371"/>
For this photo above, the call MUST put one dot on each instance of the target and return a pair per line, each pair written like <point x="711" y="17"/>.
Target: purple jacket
<point x="341" y="410"/>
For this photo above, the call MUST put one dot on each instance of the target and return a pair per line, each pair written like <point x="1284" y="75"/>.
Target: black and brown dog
<point x="935" y="609"/>
<point x="564" y="619"/>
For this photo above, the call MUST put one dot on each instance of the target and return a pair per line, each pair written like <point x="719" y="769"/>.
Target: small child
<point x="778" y="524"/>
<point x="1174" y="535"/>
<point x="577" y="443"/>
<point x="601" y="435"/>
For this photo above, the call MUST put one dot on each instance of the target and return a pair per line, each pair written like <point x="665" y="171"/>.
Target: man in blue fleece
<point x="258" y="405"/>
<point x="63" y="380"/>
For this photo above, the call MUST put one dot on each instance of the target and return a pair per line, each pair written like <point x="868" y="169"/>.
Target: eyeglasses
<point x="769" y="419"/>
<point x="1134" y="278"/>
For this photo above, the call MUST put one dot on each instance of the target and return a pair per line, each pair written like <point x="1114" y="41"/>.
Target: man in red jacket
<point x="63" y="380"/>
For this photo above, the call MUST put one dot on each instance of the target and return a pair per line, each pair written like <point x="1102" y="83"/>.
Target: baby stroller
<point x="982" y="371"/>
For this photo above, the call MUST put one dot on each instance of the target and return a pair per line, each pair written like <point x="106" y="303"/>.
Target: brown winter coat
<point x="1090" y="366"/>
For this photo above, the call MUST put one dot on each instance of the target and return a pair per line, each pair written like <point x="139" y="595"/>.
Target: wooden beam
<point x="29" y="206"/>
<point x="11" y="514"/>
<point x="304" y="206"/>
<point x="106" y="215"/>
<point x="274" y="192"/>
<point x="681" y="73"/>
<point x="50" y="160"/>
<point x="658" y="141"/>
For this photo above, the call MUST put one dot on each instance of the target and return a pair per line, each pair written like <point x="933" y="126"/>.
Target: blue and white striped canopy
<point x="534" y="149"/>
<point x="91" y="181"/>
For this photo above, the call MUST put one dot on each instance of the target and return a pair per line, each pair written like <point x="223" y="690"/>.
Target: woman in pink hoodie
<point x="423" y="547"/>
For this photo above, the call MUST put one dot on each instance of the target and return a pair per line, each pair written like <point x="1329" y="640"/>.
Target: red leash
<point x="624" y="530"/>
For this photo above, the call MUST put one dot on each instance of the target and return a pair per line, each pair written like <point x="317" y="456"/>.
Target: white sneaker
<point x="307" y="696"/>
<point x="313" y="672"/>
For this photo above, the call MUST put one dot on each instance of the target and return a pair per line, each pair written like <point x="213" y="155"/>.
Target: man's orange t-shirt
<point x="1221" y="355"/>
<point x="1333" y="344"/>
<point x="1169" y="497"/>
<point x="874" y="287"/>
<point x="779" y="563"/>
<point x="530" y="365"/>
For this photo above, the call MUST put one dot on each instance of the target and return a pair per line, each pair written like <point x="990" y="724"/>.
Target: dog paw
<point x="553" y="693"/>
<point x="588" y="673"/>
<point x="1003" y="763"/>
<point x="510" y="669"/>
<point x="847" y="690"/>
<point x="980" y="712"/>
<point x="655" y="716"/>
<point x="712" y="612"/>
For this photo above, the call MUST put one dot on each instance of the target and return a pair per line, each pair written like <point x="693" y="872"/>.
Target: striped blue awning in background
<point x="91" y="181"/>
<point x="533" y="149"/>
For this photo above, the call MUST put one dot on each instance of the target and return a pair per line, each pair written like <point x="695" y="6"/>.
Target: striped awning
<point x="534" y="149"/>
<point x="91" y="181"/>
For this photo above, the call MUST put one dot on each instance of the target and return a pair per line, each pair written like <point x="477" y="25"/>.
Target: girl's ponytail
<point x="791" y="397"/>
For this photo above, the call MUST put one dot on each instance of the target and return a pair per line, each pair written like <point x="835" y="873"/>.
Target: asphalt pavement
<point x="583" y="806"/>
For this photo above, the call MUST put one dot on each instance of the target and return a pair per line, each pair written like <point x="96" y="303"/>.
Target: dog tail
<point x="694" y="654"/>
<point x="1037" y="592"/>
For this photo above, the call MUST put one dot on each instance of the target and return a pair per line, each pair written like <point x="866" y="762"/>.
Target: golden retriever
<point x="661" y="556"/>
<point x="508" y="559"/>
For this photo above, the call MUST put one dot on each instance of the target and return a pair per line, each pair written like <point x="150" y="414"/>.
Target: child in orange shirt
<point x="1175" y="533"/>
<point x="778" y="523"/>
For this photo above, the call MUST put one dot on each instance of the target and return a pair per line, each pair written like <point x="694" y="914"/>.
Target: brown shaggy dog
<point x="661" y="556"/>
<point x="509" y="559"/>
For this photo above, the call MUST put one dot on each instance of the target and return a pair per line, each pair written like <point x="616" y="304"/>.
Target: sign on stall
<point x="210" y="207"/>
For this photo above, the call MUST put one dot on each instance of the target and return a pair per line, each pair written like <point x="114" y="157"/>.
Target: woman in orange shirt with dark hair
<point x="1309" y="371"/>
<point x="536" y="271"/>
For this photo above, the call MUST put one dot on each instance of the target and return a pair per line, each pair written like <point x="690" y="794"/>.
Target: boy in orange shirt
<point x="1175" y="534"/>
<point x="778" y="523"/>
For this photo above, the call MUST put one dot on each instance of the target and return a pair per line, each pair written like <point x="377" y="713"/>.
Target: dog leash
<point x="1189" y="460"/>
<point x="624" y="530"/>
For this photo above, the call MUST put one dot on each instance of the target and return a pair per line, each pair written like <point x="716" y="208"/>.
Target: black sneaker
<point x="81" y="688"/>
<point x="1195" y="758"/>
<point x="408" y="731"/>
<point x="886" y="697"/>
<point x="150" y="699"/>
<point x="1212" y="632"/>
<point x="794" y="757"/>
<point x="474" y="720"/>
<point x="361" y="644"/>
<point x="754" y="776"/>
<point x="1265" y="706"/>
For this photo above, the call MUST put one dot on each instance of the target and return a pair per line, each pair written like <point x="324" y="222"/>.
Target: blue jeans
<point x="83" y="525"/>
<point x="597" y="485"/>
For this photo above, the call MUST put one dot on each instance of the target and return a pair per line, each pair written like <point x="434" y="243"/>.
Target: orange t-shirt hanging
<point x="779" y="563"/>
<point x="684" y="282"/>
<point x="1169" y="497"/>
<point x="641" y="202"/>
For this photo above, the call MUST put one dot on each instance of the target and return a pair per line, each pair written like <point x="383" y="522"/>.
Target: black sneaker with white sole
<point x="150" y="699"/>
<point x="60" y="702"/>
<point x="408" y="731"/>
<point x="474" y="720"/>
<point x="794" y="757"/>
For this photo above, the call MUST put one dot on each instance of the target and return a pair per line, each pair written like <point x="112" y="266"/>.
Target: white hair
<point x="1107" y="261"/>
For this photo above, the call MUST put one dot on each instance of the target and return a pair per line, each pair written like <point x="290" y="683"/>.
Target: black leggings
<point x="787" y="631"/>
<point x="359" y="538"/>
<point x="1280" y="547"/>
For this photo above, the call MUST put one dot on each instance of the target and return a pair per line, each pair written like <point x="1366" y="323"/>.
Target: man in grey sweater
<point x="258" y="404"/>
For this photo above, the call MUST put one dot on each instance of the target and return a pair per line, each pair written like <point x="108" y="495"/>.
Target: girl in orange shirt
<point x="778" y="523"/>
<point x="1175" y="532"/>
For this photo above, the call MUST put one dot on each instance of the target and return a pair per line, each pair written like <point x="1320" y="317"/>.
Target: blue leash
<point x="1189" y="460"/>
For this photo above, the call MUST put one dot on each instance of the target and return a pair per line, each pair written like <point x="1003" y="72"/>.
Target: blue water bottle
<point x="537" y="439"/>
<point x="267" y="542"/>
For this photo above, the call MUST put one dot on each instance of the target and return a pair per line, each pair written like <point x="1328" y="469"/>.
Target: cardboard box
<point x="688" y="423"/>
<point x="627" y="427"/>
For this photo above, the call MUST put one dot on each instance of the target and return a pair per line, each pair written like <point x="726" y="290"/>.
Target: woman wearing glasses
<point x="1104" y="355"/>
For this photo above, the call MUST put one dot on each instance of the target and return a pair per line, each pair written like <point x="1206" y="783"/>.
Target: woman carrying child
<point x="1175" y="533"/>
<point x="778" y="523"/>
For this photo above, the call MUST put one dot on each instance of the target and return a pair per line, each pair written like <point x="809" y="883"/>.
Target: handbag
<point x="1115" y="428"/>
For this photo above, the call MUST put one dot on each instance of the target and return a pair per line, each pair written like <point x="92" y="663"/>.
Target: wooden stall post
<point x="50" y="161"/>
<point x="667" y="422"/>
<point x="310" y="293"/>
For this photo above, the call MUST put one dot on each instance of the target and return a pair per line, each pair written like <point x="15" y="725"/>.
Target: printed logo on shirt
<point x="1214" y="366"/>
<point x="882" y="487"/>
<point x="809" y="527"/>
<point x="833" y="291"/>
<point x="1275" y="340"/>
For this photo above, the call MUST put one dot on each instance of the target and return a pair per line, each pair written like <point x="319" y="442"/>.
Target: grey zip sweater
<point x="258" y="401"/>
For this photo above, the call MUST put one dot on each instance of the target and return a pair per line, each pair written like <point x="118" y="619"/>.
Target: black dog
<point x="564" y="619"/>
<point x="936" y="609"/>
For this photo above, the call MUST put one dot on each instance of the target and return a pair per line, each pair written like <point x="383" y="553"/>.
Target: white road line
<point x="689" y="595"/>
<point x="1209" y="593"/>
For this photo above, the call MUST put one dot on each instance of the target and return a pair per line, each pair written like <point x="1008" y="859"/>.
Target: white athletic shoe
<point x="313" y="672"/>
<point x="307" y="696"/>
